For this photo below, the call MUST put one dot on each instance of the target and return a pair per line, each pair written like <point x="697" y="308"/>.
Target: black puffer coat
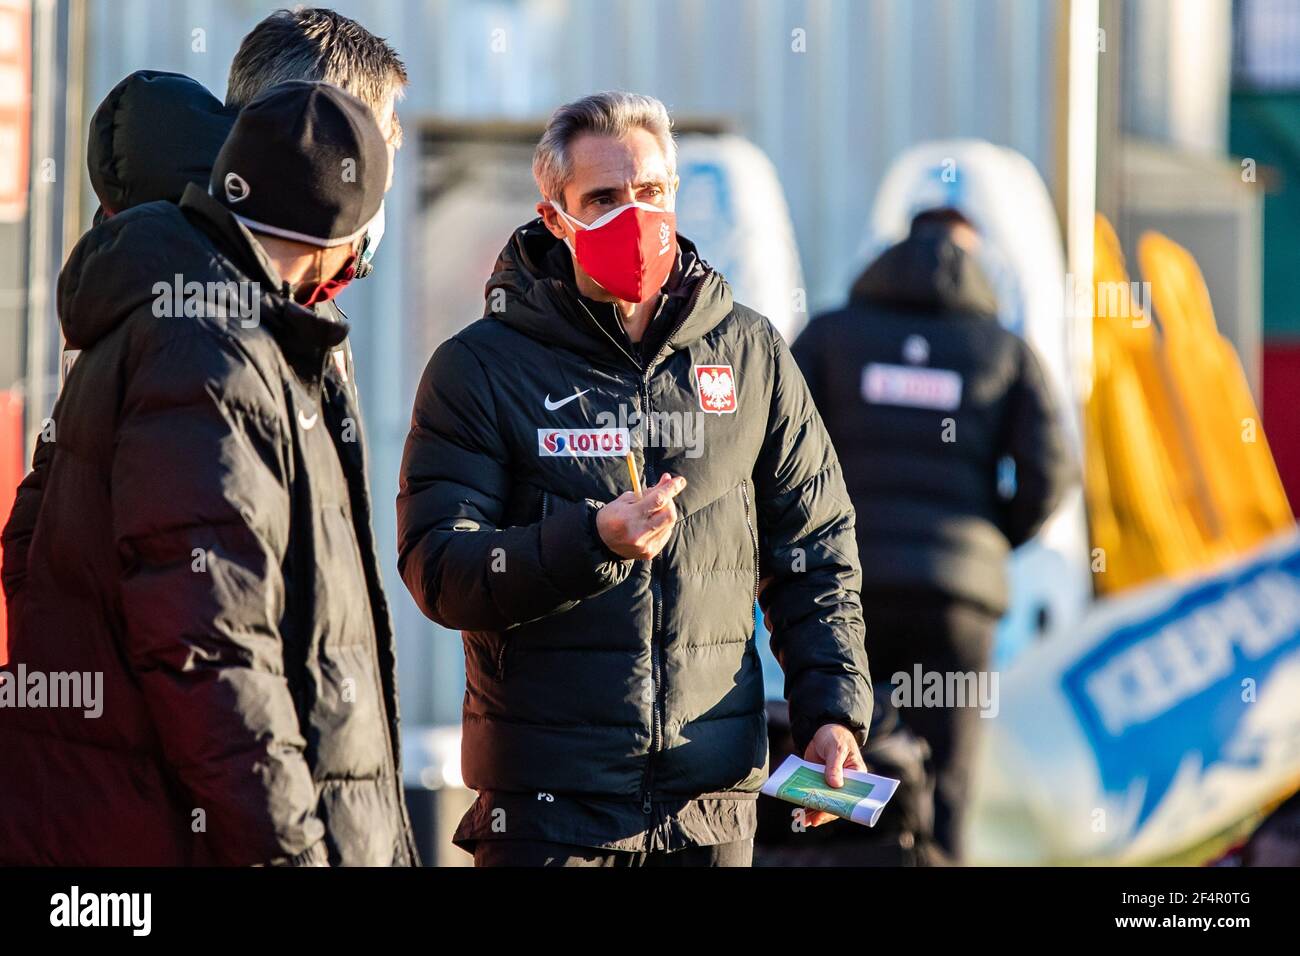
<point x="197" y="532"/>
<point x="587" y="674"/>
<point x="924" y="393"/>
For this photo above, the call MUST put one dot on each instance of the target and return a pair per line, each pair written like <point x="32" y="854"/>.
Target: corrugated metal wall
<point x="876" y="75"/>
<point x="830" y="105"/>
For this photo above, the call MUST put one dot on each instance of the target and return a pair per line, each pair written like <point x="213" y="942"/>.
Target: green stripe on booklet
<point x="862" y="798"/>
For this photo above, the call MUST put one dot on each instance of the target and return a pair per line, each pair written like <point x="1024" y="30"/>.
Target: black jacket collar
<point x="303" y="334"/>
<point x="533" y="289"/>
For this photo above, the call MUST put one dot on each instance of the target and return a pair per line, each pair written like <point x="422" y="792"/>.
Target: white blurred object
<point x="1169" y="717"/>
<point x="732" y="206"/>
<point x="431" y="757"/>
<point x="1001" y="192"/>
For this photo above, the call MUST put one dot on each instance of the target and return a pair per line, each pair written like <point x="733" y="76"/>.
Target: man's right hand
<point x="638" y="528"/>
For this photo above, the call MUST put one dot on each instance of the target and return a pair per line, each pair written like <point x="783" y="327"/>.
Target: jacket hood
<point x="114" y="268"/>
<point x="117" y="267"/>
<point x="926" y="273"/>
<point x="153" y="134"/>
<point x="534" y="281"/>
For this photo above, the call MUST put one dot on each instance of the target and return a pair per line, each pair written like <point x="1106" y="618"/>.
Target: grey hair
<point x="313" y="43"/>
<point x="612" y="113"/>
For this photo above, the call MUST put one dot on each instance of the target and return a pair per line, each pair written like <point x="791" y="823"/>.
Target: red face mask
<point x="629" y="252"/>
<point x="332" y="287"/>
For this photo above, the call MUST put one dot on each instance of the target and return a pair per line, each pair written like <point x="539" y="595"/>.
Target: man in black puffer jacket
<point x="201" y="546"/>
<point x="155" y="133"/>
<point x="614" y="712"/>
<point x="924" y="394"/>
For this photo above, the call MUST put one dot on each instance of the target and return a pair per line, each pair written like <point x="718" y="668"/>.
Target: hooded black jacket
<point x="198" y="532"/>
<point x="153" y="134"/>
<point x="921" y="468"/>
<point x="593" y="676"/>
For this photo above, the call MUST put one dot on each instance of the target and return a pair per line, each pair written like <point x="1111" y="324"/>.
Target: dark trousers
<point x="542" y="853"/>
<point x="906" y="628"/>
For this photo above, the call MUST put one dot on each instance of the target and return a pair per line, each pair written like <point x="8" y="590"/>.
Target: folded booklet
<point x="861" y="799"/>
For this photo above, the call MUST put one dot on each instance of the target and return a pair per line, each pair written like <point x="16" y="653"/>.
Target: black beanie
<point x="305" y="161"/>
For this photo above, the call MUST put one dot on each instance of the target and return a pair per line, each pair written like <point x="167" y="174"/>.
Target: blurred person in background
<point x="202" y="537"/>
<point x="614" y="711"/>
<point x="925" y="395"/>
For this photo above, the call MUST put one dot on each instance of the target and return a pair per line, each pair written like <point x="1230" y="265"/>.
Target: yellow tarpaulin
<point x="1179" y="475"/>
<point x="1246" y="502"/>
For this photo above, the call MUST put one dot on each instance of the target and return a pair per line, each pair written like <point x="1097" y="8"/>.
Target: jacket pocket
<point x="527" y="504"/>
<point x="501" y="654"/>
<point x="485" y="655"/>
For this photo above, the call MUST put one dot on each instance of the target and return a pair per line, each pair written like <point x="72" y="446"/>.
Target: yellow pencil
<point x="631" y="470"/>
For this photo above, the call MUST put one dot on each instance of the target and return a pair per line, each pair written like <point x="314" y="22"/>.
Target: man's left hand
<point x="835" y="746"/>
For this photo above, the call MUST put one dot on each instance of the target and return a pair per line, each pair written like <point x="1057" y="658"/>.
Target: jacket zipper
<point x="656" y="588"/>
<point x="501" y="660"/>
<point x="656" y="593"/>
<point x="753" y="537"/>
<point x="656" y="677"/>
